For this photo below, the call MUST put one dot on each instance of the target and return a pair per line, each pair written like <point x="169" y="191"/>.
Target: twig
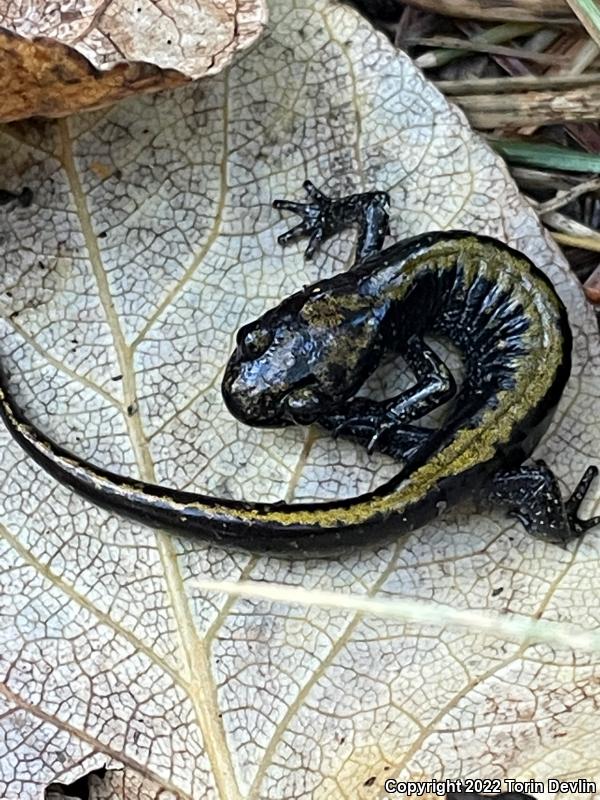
<point x="567" y="196"/>
<point x="568" y="226"/>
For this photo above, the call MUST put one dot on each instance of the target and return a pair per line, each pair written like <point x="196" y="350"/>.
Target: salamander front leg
<point x="323" y="217"/>
<point x="434" y="387"/>
<point x="360" y="422"/>
<point x="532" y="495"/>
<point x="390" y="421"/>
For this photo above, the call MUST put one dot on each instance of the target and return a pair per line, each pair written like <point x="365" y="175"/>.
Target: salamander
<point x="306" y="360"/>
<point x="22" y="198"/>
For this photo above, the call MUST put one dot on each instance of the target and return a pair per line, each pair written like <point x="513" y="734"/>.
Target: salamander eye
<point x="253" y="341"/>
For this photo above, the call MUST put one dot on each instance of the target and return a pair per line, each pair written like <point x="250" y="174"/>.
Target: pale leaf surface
<point x="150" y="241"/>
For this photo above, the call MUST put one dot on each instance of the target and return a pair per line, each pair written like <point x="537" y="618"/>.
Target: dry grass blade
<point x="585" y="56"/>
<point x="454" y="43"/>
<point x="509" y="110"/>
<point x="496" y="35"/>
<point x="581" y="242"/>
<point x="511" y="627"/>
<point x="519" y="84"/>
<point x="530" y="178"/>
<point x="550" y="78"/>
<point x="581" y="54"/>
<point x="515" y="11"/>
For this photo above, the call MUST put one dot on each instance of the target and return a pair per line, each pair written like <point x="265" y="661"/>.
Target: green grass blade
<point x="546" y="156"/>
<point x="588" y="12"/>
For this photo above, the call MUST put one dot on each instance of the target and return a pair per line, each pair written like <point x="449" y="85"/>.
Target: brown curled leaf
<point x="592" y="286"/>
<point x="56" y="61"/>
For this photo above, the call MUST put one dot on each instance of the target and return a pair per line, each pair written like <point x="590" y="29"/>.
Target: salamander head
<point x="305" y="357"/>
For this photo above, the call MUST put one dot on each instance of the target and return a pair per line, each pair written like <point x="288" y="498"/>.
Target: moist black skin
<point x="23" y="198"/>
<point x="304" y="361"/>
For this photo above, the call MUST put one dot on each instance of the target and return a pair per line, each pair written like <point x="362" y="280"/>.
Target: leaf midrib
<point x="195" y="660"/>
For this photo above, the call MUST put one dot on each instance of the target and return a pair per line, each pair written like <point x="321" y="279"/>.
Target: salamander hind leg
<point x="324" y="216"/>
<point x="532" y="495"/>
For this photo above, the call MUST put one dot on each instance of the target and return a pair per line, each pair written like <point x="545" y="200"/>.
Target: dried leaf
<point x="56" y="60"/>
<point x="592" y="286"/>
<point x="154" y="226"/>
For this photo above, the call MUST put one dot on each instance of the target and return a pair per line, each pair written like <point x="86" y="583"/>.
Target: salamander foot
<point x="22" y="198"/>
<point x="323" y="216"/>
<point x="532" y="495"/>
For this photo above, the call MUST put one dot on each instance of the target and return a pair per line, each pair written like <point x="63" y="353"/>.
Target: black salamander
<point x="304" y="361"/>
<point x="20" y="199"/>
